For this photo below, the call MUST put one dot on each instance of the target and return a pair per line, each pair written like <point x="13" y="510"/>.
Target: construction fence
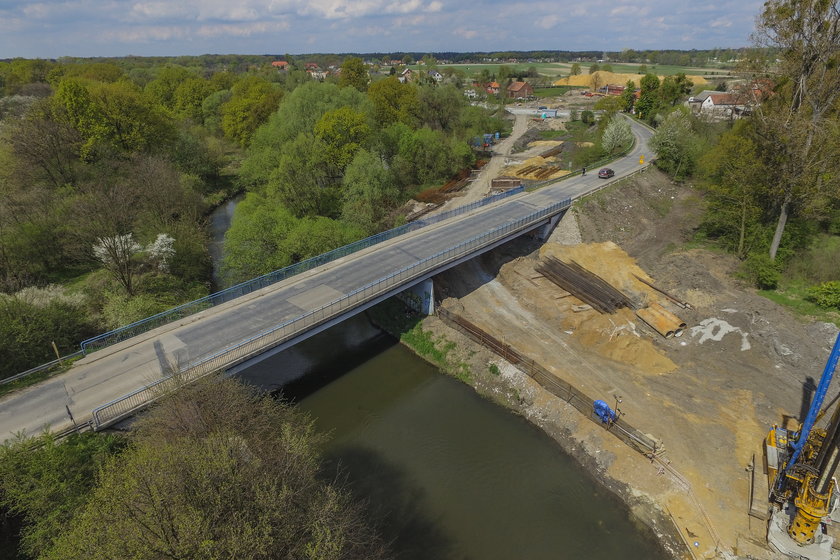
<point x="584" y="403"/>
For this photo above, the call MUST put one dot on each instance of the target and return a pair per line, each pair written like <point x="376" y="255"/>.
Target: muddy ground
<point x="709" y="395"/>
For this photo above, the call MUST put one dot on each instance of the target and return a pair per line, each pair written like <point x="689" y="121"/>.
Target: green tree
<point x="674" y="89"/>
<point x="252" y="101"/>
<point x="394" y="102"/>
<point x="111" y="116"/>
<point x="610" y="105"/>
<point x="162" y="88"/>
<point x="189" y="97"/>
<point x="46" y="482"/>
<point x="594" y="68"/>
<point x="735" y="190"/>
<point x="218" y="472"/>
<point x="31" y="320"/>
<point x="676" y="145"/>
<point x="440" y="107"/>
<point x="342" y="132"/>
<point x="647" y="103"/>
<point x="575" y="70"/>
<point x="296" y="116"/>
<point x="354" y="73"/>
<point x="369" y="193"/>
<point x="797" y="129"/>
<point x="252" y="244"/>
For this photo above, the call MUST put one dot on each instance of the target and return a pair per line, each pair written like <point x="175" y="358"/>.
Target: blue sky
<point x="54" y="28"/>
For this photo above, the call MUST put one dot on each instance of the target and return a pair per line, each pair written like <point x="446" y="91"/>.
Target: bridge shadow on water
<point x="391" y="503"/>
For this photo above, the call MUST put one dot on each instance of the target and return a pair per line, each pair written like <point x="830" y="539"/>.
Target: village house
<point x="520" y="90"/>
<point x="280" y="64"/>
<point x="493" y="88"/>
<point x="406" y="76"/>
<point x="436" y="76"/>
<point x="717" y="105"/>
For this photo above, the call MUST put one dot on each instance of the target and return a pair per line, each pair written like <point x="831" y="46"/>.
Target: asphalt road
<point x="110" y="373"/>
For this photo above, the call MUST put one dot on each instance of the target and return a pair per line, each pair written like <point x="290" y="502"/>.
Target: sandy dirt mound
<point x="536" y="168"/>
<point x="545" y="143"/>
<point x="613" y="336"/>
<point x="604" y="78"/>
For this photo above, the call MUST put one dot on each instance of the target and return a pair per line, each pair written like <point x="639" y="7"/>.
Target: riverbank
<point x="495" y="379"/>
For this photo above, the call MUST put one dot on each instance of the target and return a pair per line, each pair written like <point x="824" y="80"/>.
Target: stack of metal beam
<point x="584" y="285"/>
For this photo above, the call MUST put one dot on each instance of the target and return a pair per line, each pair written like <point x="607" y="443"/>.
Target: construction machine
<point x="800" y="470"/>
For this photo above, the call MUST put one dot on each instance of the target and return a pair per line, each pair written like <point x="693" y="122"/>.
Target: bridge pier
<point x="420" y="297"/>
<point x="544" y="232"/>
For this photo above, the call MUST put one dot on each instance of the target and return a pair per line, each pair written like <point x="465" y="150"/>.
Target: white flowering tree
<point x="616" y="135"/>
<point x="161" y="251"/>
<point x="118" y="253"/>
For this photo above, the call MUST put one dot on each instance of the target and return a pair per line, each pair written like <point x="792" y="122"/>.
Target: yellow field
<point x="600" y="79"/>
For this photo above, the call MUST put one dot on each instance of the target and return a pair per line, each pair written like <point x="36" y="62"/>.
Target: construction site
<point x="692" y="368"/>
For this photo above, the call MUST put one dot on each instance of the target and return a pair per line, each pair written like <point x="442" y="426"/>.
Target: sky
<point x="55" y="28"/>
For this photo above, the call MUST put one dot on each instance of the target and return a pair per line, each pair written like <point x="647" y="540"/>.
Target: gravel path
<point x="479" y="188"/>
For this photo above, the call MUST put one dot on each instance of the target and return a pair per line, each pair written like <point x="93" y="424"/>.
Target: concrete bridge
<point x="113" y="382"/>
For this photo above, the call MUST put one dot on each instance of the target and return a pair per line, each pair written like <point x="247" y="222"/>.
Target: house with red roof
<point x="520" y="90"/>
<point x="280" y="64"/>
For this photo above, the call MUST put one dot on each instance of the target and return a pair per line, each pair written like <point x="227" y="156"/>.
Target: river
<point x="445" y="473"/>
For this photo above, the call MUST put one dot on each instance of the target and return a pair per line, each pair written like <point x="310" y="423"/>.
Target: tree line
<point x="106" y="180"/>
<point x="110" y="168"/>
<point x="336" y="162"/>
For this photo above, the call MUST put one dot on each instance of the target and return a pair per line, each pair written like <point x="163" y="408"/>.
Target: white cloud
<point x="241" y="29"/>
<point x="85" y="27"/>
<point x="549" y="21"/>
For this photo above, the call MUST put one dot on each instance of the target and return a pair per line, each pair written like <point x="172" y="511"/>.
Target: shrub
<point x="826" y="294"/>
<point x="762" y="271"/>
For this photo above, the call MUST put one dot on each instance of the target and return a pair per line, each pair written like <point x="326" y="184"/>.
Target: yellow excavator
<point x="800" y="469"/>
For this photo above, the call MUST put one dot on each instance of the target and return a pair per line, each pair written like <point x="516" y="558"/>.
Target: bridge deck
<point x="110" y="373"/>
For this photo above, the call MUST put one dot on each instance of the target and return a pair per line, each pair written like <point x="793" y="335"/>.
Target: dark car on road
<point x="606" y="173"/>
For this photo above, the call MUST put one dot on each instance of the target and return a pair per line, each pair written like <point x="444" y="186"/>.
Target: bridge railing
<point x="243" y="350"/>
<point x="176" y="313"/>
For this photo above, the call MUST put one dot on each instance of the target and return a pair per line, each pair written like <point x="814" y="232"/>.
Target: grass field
<point x="554" y="91"/>
<point x="546" y="69"/>
<point x="561" y="69"/>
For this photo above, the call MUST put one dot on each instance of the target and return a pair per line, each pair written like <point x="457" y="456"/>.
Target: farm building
<point x="520" y="90"/>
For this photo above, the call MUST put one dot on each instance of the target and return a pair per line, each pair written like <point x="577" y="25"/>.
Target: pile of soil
<point x="603" y="78"/>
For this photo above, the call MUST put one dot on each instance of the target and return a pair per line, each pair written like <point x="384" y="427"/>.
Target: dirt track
<point x="709" y="396"/>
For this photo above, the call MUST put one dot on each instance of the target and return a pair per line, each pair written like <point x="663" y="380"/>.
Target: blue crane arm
<point x="816" y="404"/>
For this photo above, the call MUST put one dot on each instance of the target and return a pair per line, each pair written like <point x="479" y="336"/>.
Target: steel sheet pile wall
<point x="550" y="382"/>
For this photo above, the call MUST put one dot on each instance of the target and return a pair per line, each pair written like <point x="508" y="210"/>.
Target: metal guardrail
<point x="539" y="184"/>
<point x="245" y="349"/>
<point x="43" y="367"/>
<point x="250" y="286"/>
